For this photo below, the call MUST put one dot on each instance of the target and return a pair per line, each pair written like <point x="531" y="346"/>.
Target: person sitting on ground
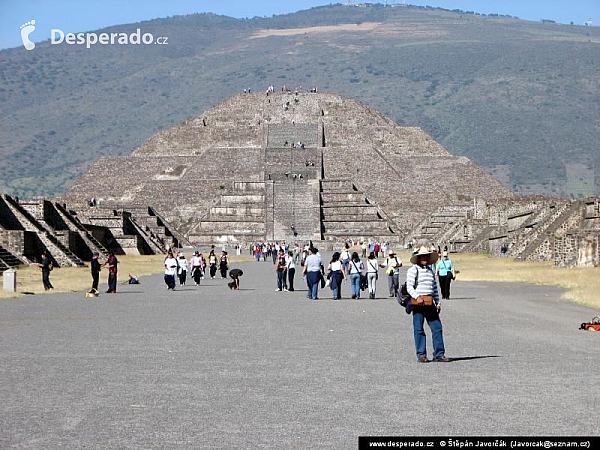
<point x="132" y="280"/>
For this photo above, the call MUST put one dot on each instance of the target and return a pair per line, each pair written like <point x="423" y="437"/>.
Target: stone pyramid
<point x="289" y="166"/>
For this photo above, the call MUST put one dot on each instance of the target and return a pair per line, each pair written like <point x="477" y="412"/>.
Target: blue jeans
<point x="281" y="280"/>
<point x="336" y="283"/>
<point x="313" y="279"/>
<point x="420" y="313"/>
<point x="355" y="285"/>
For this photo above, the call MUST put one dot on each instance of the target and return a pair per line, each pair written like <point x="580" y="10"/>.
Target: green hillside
<point x="519" y="98"/>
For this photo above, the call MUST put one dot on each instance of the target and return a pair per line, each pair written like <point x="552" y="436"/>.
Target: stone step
<point x="252" y="210"/>
<point x="352" y="218"/>
<point x="337" y="185"/>
<point x="349" y="209"/>
<point x="242" y="199"/>
<point x="229" y="227"/>
<point x="233" y="219"/>
<point x="352" y="196"/>
<point x="372" y="226"/>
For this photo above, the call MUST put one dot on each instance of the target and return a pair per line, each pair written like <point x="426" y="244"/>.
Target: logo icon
<point x="26" y="30"/>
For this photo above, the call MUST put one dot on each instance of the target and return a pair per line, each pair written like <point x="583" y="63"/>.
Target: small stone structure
<point x="566" y="232"/>
<point x="70" y="237"/>
<point x="287" y="166"/>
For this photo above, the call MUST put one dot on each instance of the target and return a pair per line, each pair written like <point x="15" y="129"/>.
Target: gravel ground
<point x="206" y="367"/>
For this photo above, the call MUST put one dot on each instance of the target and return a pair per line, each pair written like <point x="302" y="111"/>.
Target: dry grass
<point x="582" y="284"/>
<point x="79" y="279"/>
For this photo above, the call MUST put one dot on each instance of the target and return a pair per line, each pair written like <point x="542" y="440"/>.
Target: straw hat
<point x="433" y="256"/>
<point x="391" y="252"/>
<point x="444" y="253"/>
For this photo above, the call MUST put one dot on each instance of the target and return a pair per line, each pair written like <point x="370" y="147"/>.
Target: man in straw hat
<point x="425" y="303"/>
<point x="393" y="264"/>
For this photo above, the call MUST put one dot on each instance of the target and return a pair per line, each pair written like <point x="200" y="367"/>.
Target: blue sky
<point x="79" y="15"/>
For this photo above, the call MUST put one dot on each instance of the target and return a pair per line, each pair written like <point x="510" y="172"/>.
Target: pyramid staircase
<point x="238" y="215"/>
<point x="75" y="225"/>
<point x="347" y="212"/>
<point x="8" y="260"/>
<point x="546" y="230"/>
<point x="58" y="251"/>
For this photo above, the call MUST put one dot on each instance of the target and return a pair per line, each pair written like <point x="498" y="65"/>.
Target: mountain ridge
<point x="517" y="97"/>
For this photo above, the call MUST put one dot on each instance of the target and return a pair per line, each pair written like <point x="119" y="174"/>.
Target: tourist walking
<point x="112" y="264"/>
<point x="291" y="269"/>
<point x="345" y="258"/>
<point x="392" y="264"/>
<point x="224" y="264"/>
<point x="312" y="271"/>
<point x="446" y="273"/>
<point x="336" y="273"/>
<point x="372" y="274"/>
<point x="196" y="267"/>
<point x="212" y="263"/>
<point x="425" y="304"/>
<point x="182" y="271"/>
<point x="95" y="268"/>
<point x="170" y="271"/>
<point x="46" y="266"/>
<point x="356" y="268"/>
<point x="280" y="269"/>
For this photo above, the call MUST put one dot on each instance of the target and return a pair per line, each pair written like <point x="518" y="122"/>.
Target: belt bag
<point x="423" y="300"/>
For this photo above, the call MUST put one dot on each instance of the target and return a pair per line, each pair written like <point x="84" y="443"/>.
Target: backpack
<point x="403" y="297"/>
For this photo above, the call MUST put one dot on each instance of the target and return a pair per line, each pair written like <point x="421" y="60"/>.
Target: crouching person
<point x="425" y="304"/>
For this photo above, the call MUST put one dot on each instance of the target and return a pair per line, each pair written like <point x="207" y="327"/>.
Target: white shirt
<point x="355" y="266"/>
<point x="372" y="266"/>
<point x="336" y="265"/>
<point x="345" y="255"/>
<point x="389" y="262"/>
<point x="170" y="266"/>
<point x="289" y="260"/>
<point x="196" y="261"/>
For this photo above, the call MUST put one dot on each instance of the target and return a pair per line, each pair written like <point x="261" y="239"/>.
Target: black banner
<point x="460" y="442"/>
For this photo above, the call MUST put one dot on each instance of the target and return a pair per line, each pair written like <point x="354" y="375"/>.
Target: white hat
<point x="433" y="256"/>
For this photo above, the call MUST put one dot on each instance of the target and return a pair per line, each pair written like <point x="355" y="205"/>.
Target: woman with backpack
<point x="372" y="274"/>
<point x="336" y="273"/>
<point x="425" y="304"/>
<point x="356" y="268"/>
